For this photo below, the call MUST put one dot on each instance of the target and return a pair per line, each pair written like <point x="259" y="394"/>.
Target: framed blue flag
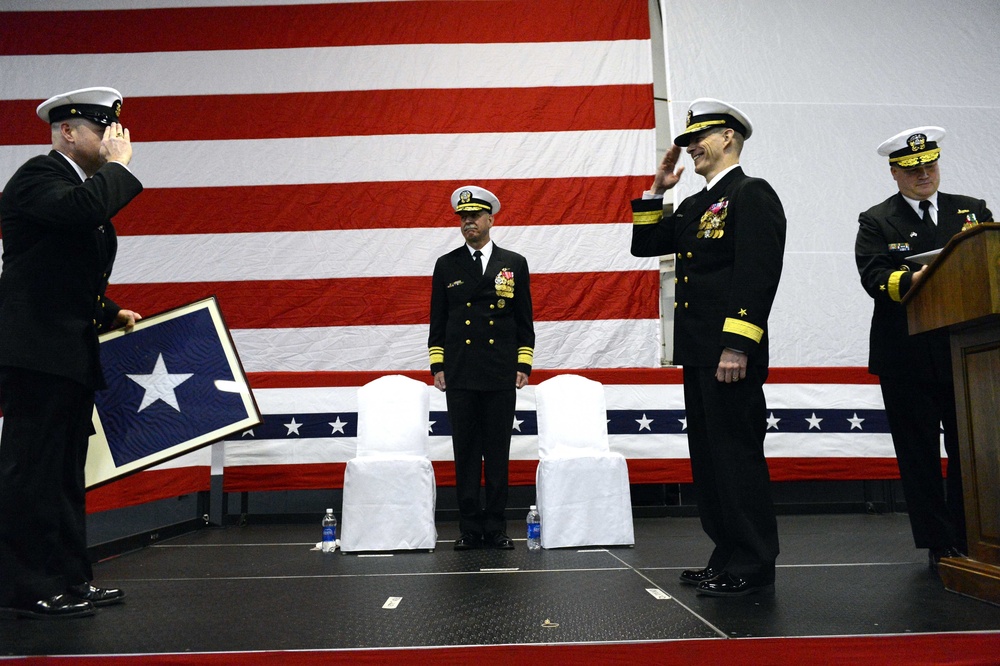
<point x="175" y="384"/>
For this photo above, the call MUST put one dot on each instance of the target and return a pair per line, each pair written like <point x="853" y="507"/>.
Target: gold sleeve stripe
<point x="894" y="285"/>
<point x="436" y="354"/>
<point x="525" y="355"/>
<point x="746" y="329"/>
<point x="647" y="216"/>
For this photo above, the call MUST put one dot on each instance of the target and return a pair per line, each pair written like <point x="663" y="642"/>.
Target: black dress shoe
<point x="499" y="541"/>
<point x="728" y="585"/>
<point x="61" y="606"/>
<point x="934" y="555"/>
<point x="469" y="541"/>
<point x="99" y="596"/>
<point x="696" y="576"/>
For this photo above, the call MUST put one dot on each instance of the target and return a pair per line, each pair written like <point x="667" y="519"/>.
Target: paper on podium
<point x="925" y="257"/>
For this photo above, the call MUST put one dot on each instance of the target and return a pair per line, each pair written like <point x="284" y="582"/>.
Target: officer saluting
<point x="729" y="242"/>
<point x="481" y="347"/>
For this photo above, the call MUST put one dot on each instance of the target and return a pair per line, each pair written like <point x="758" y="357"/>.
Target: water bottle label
<point x="534" y="531"/>
<point x="329" y="533"/>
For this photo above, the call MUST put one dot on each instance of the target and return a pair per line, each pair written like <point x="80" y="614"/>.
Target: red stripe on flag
<point x="522" y="472"/>
<point x="361" y="113"/>
<point x="149" y="486"/>
<point x="391" y="301"/>
<point x="305" y="26"/>
<point x="378" y="205"/>
<point x="609" y="376"/>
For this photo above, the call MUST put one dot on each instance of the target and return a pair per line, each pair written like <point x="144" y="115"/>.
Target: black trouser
<point x="726" y="424"/>
<point x="481" y="425"/>
<point x="43" y="451"/>
<point x="916" y="412"/>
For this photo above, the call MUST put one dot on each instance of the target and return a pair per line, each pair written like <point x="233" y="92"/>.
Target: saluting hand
<point x="116" y="146"/>
<point x="669" y="173"/>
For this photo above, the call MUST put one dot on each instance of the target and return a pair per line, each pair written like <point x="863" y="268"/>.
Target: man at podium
<point x="915" y="371"/>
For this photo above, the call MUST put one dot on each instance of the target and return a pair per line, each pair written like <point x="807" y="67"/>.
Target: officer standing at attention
<point x="914" y="371"/>
<point x="729" y="242"/>
<point x="58" y="249"/>
<point x="481" y="347"/>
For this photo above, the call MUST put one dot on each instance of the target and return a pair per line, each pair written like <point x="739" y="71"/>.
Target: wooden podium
<point x="961" y="290"/>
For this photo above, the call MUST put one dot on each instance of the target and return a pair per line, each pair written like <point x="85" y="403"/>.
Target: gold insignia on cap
<point x="917" y="142"/>
<point x="465" y="196"/>
<point x="690" y="117"/>
<point x="118" y="109"/>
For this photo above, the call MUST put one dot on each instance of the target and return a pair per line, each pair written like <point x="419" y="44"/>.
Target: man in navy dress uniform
<point x="58" y="249"/>
<point x="915" y="371"/>
<point x="481" y="348"/>
<point x="728" y="241"/>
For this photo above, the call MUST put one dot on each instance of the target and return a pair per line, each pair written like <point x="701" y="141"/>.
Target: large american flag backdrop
<point x="298" y="161"/>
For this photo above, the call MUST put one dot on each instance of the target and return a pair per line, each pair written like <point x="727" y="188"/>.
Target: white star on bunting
<point x="684" y="423"/>
<point x="856" y="422"/>
<point x="338" y="426"/>
<point x="772" y="421"/>
<point x="814" y="422"/>
<point x="644" y="423"/>
<point x="159" y="385"/>
<point x="517" y="423"/>
<point x="292" y="427"/>
<point x="430" y="425"/>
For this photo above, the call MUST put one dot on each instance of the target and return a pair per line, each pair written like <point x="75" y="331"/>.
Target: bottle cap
<point x="533" y="508"/>
<point x="329" y="510"/>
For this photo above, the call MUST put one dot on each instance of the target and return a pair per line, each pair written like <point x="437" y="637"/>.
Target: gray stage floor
<point x="265" y="588"/>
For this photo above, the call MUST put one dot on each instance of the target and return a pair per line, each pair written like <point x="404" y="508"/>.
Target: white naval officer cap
<point x="473" y="197"/>
<point x="99" y="105"/>
<point x="913" y="147"/>
<point x="707" y="113"/>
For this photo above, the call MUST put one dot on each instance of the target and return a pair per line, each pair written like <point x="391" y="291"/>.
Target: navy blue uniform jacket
<point x="887" y="234"/>
<point x="58" y="249"/>
<point x="729" y="245"/>
<point x="482" y="330"/>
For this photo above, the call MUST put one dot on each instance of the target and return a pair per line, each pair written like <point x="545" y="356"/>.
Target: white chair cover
<point x="389" y="487"/>
<point x="582" y="486"/>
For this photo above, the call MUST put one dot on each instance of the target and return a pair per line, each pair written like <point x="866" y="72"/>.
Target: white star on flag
<point x="856" y="422"/>
<point x="814" y="422"/>
<point x="772" y="421"/>
<point x="248" y="432"/>
<point x="517" y="423"/>
<point x="684" y="423"/>
<point x="292" y="427"/>
<point x="159" y="385"/>
<point x="644" y="423"/>
<point x="430" y="425"/>
<point x="338" y="426"/>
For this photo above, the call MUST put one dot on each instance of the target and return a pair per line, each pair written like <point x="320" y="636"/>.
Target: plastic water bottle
<point x="534" y="529"/>
<point x="329" y="532"/>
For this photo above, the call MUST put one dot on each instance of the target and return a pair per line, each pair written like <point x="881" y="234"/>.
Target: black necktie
<point x="477" y="256"/>
<point x="925" y="206"/>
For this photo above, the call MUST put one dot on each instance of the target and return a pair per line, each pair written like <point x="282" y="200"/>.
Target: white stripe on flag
<point x="381" y="158"/>
<point x="559" y="344"/>
<point x="383" y="67"/>
<point x="367" y="253"/>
